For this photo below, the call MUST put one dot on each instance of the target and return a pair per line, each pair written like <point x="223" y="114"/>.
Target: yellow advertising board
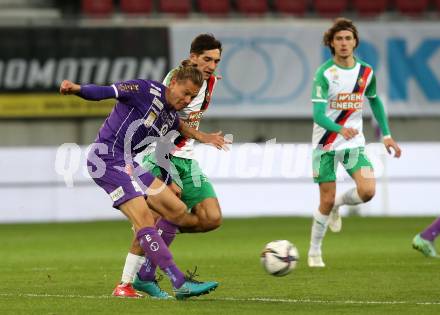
<point x="51" y="106"/>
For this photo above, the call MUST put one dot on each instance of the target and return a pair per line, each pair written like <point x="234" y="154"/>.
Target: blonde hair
<point x="187" y="71"/>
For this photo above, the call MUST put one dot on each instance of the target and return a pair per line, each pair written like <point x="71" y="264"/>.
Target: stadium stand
<point x="136" y="6"/>
<point x="181" y="7"/>
<point x="214" y="7"/>
<point x="333" y="8"/>
<point x="296" y="7"/>
<point x="237" y="8"/>
<point x="252" y="6"/>
<point x="370" y="8"/>
<point x="437" y="5"/>
<point x="99" y="8"/>
<point x="411" y="7"/>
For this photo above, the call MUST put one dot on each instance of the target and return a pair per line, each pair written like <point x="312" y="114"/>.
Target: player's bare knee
<point x="211" y="224"/>
<point x="327" y="202"/>
<point x="210" y="218"/>
<point x="215" y="220"/>
<point x="367" y="194"/>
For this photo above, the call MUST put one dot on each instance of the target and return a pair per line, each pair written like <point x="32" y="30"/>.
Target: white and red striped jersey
<point x="343" y="90"/>
<point x="192" y="115"/>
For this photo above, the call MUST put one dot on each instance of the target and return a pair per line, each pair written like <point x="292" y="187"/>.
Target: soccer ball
<point x="279" y="257"/>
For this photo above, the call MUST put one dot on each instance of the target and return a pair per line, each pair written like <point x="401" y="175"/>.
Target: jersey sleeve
<point x="380" y="115"/>
<point x="320" y="88"/>
<point x="93" y="92"/>
<point x="370" y="91"/>
<point x="322" y="120"/>
<point x="128" y="90"/>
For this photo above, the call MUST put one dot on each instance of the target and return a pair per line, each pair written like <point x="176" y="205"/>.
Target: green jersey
<point x="343" y="91"/>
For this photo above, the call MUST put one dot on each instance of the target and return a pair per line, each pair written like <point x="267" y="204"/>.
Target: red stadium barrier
<point x="330" y="8"/>
<point x="175" y="6"/>
<point x="252" y="6"/>
<point x="371" y="7"/>
<point x="97" y="7"/>
<point x="218" y="7"/>
<point x="136" y="6"/>
<point x="296" y="7"/>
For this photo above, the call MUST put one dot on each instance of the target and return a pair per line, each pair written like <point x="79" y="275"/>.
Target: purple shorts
<point x="121" y="181"/>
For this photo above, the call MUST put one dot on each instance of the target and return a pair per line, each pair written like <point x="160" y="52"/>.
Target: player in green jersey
<point x="339" y="88"/>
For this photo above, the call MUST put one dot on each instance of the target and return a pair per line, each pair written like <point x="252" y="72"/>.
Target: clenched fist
<point x="68" y="87"/>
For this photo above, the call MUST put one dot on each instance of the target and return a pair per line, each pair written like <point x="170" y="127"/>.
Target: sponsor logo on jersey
<point x="117" y="194"/>
<point x="155" y="110"/>
<point x="158" y="103"/>
<point x="149" y="121"/>
<point x="194" y="119"/>
<point x="345" y="101"/>
<point x="128" y="87"/>
<point x="334" y="73"/>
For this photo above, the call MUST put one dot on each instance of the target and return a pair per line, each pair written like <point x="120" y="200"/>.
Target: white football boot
<point x="315" y="261"/>
<point x="335" y="220"/>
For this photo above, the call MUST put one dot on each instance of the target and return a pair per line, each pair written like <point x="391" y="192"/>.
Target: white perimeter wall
<point x="250" y="180"/>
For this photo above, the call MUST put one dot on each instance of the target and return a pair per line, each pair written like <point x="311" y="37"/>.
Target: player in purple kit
<point x="188" y="181"/>
<point x="424" y="242"/>
<point x="146" y="110"/>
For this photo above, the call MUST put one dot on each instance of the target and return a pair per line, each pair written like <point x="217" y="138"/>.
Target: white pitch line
<point x="70" y="296"/>
<point x="255" y="299"/>
<point x="308" y="301"/>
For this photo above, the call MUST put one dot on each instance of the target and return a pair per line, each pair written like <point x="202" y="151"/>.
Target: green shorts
<point x="186" y="173"/>
<point x="325" y="163"/>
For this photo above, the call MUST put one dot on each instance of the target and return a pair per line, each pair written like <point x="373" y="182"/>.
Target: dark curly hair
<point x="340" y="24"/>
<point x="205" y="42"/>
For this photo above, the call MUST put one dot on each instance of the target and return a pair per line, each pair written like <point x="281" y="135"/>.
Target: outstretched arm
<point x="89" y="92"/>
<point x="216" y="139"/>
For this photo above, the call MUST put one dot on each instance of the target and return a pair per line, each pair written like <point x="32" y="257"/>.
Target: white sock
<point x="319" y="227"/>
<point x="132" y="265"/>
<point x="350" y="197"/>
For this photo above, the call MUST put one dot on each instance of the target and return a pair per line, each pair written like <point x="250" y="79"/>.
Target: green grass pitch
<point x="71" y="268"/>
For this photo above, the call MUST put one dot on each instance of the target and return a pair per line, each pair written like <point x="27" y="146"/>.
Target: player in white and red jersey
<point x="339" y="88"/>
<point x="187" y="179"/>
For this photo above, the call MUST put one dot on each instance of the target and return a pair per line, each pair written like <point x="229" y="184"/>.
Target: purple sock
<point x="432" y="231"/>
<point x="155" y="248"/>
<point x="167" y="231"/>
